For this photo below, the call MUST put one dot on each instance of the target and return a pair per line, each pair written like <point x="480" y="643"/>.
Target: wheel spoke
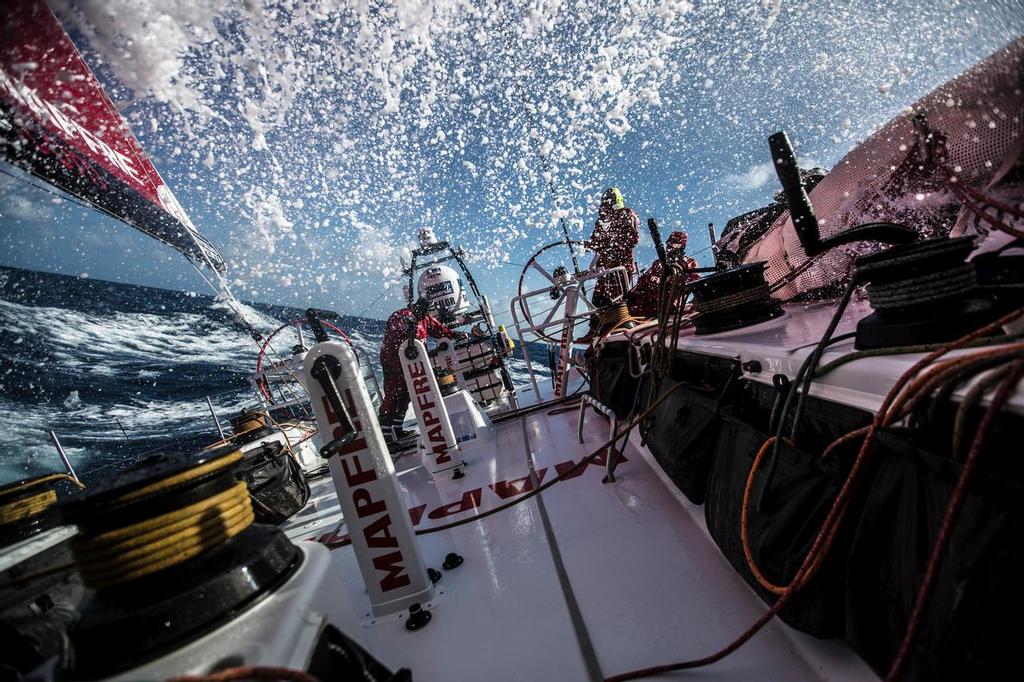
<point x="554" y="309"/>
<point x="540" y="268"/>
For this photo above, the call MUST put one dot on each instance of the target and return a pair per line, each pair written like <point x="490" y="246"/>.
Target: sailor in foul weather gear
<point x="643" y="298"/>
<point x="401" y="326"/>
<point x="616" y="234"/>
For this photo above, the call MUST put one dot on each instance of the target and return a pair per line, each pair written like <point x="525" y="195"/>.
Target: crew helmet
<point x="443" y="287"/>
<point x="613" y="197"/>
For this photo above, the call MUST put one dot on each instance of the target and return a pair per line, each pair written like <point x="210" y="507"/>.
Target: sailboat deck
<point x="781" y="345"/>
<point x="584" y="581"/>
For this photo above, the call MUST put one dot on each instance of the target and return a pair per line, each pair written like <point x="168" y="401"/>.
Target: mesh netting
<point x="898" y="175"/>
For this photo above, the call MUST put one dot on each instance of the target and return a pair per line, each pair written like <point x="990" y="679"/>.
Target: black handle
<point x="799" y="204"/>
<point x="659" y="245"/>
<point x="714" y="244"/>
<point x="319" y="333"/>
<point x="410" y="347"/>
<point x="325" y="370"/>
<point x="886" y="233"/>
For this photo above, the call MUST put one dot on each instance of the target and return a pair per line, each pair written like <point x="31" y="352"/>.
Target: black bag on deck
<point x="611" y="381"/>
<point x="682" y="431"/>
<point x="803" y="490"/>
<point x="276" y="484"/>
<point x="973" y="623"/>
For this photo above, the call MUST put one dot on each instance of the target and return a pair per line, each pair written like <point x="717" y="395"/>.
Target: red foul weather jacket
<point x="643" y="298"/>
<point x="397" y="332"/>
<point x="616" y="234"/>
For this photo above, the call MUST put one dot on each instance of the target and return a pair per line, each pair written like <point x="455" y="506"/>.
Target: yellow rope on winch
<point x="163" y="541"/>
<point x="18" y="510"/>
<point x="26" y="507"/>
<point x="612" y="317"/>
<point x="121" y="554"/>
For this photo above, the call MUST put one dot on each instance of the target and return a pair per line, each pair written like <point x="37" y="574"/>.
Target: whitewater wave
<point x="118" y="371"/>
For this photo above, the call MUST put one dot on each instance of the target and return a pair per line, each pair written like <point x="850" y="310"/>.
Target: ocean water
<point x="118" y="370"/>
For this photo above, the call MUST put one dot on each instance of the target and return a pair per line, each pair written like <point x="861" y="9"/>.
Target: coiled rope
<point x="919" y="274"/>
<point x="32" y="505"/>
<point x="756" y="293"/>
<point x="27" y="506"/>
<point x="732" y="299"/>
<point x="930" y="288"/>
<point x="117" y="555"/>
<point x="615" y="316"/>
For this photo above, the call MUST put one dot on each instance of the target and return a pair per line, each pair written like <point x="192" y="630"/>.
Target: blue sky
<point x="310" y="144"/>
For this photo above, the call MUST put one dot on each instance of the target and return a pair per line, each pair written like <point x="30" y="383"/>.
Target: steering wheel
<point x="297" y="324"/>
<point x="537" y="274"/>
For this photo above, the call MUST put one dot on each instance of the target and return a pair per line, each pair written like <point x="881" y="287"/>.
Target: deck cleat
<point x="418" y="618"/>
<point x="451" y="561"/>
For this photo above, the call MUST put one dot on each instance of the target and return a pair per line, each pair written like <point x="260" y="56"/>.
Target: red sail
<point x="57" y="123"/>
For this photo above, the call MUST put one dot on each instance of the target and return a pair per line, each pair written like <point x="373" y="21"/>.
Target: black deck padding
<point x="277" y="486"/>
<point x="803" y="490"/>
<point x="682" y="431"/>
<point x="682" y="435"/>
<point x="612" y="383"/>
<point x="973" y="624"/>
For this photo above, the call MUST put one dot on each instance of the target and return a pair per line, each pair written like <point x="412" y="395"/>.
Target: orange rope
<point x="816" y="561"/>
<point x="828" y="527"/>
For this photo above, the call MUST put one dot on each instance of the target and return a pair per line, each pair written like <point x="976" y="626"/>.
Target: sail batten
<point x="57" y="123"/>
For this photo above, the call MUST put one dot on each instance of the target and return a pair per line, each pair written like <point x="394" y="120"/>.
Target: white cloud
<point x="761" y="174"/>
<point x="753" y="178"/>
<point x="20" y="202"/>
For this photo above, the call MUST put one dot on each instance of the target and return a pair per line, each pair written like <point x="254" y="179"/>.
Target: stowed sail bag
<point x="682" y="431"/>
<point x="36" y="606"/>
<point x="276" y="484"/>
<point x="973" y="622"/>
<point x="611" y="380"/>
<point x="803" y="489"/>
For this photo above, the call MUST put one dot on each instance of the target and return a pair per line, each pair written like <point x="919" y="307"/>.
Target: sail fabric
<point x="978" y="116"/>
<point x="57" y="123"/>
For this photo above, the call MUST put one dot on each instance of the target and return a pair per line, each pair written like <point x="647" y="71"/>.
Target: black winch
<point x="741" y="296"/>
<point x="926" y="292"/>
<point x="249" y="425"/>
<point x="171" y="552"/>
<point x="29" y="507"/>
<point x="735" y="298"/>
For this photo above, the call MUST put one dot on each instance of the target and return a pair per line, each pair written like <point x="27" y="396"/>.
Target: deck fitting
<point x="452" y="560"/>
<point x="417" y="618"/>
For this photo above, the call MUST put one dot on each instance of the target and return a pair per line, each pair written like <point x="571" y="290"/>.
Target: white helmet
<point x="427" y="237"/>
<point x="442" y="286"/>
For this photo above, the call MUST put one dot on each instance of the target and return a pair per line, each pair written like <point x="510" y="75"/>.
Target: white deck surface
<point x="626" y="578"/>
